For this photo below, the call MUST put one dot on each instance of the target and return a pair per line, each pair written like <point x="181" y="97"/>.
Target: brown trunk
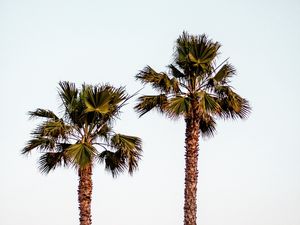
<point x="191" y="171"/>
<point x="85" y="194"/>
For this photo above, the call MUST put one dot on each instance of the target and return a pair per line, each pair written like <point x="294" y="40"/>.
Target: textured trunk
<point x="85" y="194"/>
<point x="191" y="171"/>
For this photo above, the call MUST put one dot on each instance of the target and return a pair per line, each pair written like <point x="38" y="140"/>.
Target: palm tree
<point x="83" y="136"/>
<point x="197" y="89"/>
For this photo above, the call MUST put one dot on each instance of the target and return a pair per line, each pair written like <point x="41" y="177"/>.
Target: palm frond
<point x="159" y="81"/>
<point x="67" y="92"/>
<point x="224" y="73"/>
<point x="209" y="103"/>
<point x="40" y="143"/>
<point x="178" y="106"/>
<point x="103" y="103"/>
<point x="42" y="113"/>
<point x="149" y="102"/>
<point x="53" y="129"/>
<point x="130" y="148"/>
<point x="126" y="157"/>
<point x="81" y="154"/>
<point x="114" y="162"/>
<point x="196" y="52"/>
<point x="207" y="125"/>
<point x="176" y="72"/>
<point x="233" y="106"/>
<point x="97" y="100"/>
<point x="71" y="102"/>
<point x="50" y="160"/>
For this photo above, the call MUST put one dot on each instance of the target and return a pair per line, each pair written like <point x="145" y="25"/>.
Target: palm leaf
<point x="177" y="106"/>
<point x="234" y="106"/>
<point x="42" y="113"/>
<point x="97" y="100"/>
<point x="207" y="125"/>
<point x="128" y="154"/>
<point x="68" y="93"/>
<point x="41" y="143"/>
<point x="149" y="102"/>
<point x="81" y="154"/>
<point x="196" y="52"/>
<point x="50" y="160"/>
<point x="176" y="72"/>
<point x="53" y="129"/>
<point x="130" y="148"/>
<point x="159" y="81"/>
<point x="224" y="73"/>
<point x="209" y="103"/>
<point x="114" y="162"/>
<point x="72" y="102"/>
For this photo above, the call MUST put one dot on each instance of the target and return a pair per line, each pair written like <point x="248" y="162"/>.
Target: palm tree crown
<point x="77" y="137"/>
<point x="194" y="82"/>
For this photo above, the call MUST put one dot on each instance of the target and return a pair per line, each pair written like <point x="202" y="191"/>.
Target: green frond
<point x="68" y="93"/>
<point x="52" y="129"/>
<point x="178" y="106"/>
<point x="224" y="73"/>
<point x="39" y="143"/>
<point x="71" y="102"/>
<point x="130" y="148"/>
<point x="209" y="103"/>
<point x="234" y="106"/>
<point x="149" y="102"/>
<point x="159" y="81"/>
<point x="104" y="99"/>
<point x="126" y="157"/>
<point x="97" y="101"/>
<point x="42" y="113"/>
<point x="207" y="125"/>
<point x="81" y="154"/>
<point x="50" y="160"/>
<point x="196" y="52"/>
<point x="114" y="162"/>
<point x="118" y="95"/>
<point x="126" y="143"/>
<point x="176" y="72"/>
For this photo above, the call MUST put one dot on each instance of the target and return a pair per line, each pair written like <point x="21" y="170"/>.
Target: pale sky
<point x="249" y="173"/>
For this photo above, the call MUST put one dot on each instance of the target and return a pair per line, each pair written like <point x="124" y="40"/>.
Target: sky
<point x="249" y="173"/>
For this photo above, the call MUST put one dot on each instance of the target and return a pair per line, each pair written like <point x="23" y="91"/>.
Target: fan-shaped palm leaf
<point x="81" y="154"/>
<point x="50" y="160"/>
<point x="42" y="113"/>
<point x="159" y="81"/>
<point x="40" y="143"/>
<point x="178" y="106"/>
<point x="149" y="102"/>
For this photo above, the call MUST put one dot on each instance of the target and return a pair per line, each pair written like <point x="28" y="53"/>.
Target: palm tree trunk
<point x="191" y="171"/>
<point x="85" y="194"/>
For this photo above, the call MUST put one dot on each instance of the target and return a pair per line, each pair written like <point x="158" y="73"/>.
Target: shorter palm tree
<point x="83" y="136"/>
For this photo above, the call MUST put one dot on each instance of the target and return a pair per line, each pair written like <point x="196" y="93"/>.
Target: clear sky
<point x="249" y="173"/>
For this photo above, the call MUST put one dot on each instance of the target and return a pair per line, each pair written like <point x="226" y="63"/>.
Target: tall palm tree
<point x="197" y="89"/>
<point x="83" y="136"/>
